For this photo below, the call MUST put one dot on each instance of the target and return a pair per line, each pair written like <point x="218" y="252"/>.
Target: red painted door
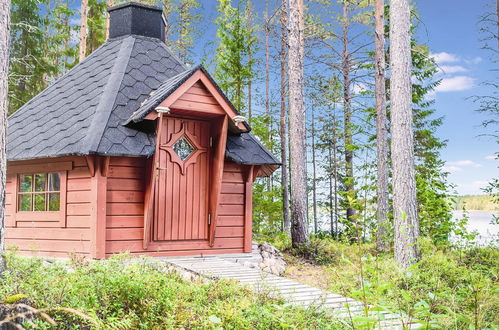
<point x="181" y="200"/>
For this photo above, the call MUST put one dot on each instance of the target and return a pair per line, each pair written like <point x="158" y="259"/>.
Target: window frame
<point x="46" y="192"/>
<point x="50" y="218"/>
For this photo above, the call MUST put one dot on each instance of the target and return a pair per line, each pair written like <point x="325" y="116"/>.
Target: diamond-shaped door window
<point x="183" y="148"/>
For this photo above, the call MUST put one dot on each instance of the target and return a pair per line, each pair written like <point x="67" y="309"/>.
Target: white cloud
<point x="444" y="57"/>
<point x="490" y="157"/>
<point x="474" y="60"/>
<point x="451" y="169"/>
<point x="446" y="69"/>
<point x="454" y="84"/>
<point x="466" y="162"/>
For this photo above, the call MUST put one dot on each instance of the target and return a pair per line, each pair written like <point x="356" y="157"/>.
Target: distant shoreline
<point x="483" y="203"/>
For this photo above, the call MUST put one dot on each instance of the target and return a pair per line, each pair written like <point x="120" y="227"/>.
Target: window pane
<point x="39" y="202"/>
<point x="40" y="182"/>
<point x="25" y="182"/>
<point x="54" y="182"/>
<point x="54" y="202"/>
<point x="25" y="202"/>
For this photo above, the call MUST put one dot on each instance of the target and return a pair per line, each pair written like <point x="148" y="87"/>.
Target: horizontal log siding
<point x="125" y="222"/>
<point x="125" y="202"/>
<point x="231" y="213"/>
<point x="47" y="238"/>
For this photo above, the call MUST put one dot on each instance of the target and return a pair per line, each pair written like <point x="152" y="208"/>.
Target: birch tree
<point x="283" y="119"/>
<point x="404" y="185"/>
<point x="381" y="127"/>
<point x="299" y="225"/>
<point x="4" y="67"/>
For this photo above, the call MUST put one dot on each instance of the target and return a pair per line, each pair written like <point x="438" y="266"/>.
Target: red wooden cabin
<point x="132" y="151"/>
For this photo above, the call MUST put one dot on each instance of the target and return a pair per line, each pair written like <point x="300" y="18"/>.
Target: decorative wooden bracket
<point x="105" y="166"/>
<point x="91" y="164"/>
<point x="216" y="176"/>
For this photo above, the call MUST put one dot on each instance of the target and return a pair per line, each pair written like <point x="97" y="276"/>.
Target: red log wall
<point x="124" y="215"/>
<point x="50" y="238"/>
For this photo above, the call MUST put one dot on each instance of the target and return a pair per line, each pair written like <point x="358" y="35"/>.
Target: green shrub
<point x="129" y="295"/>
<point x="450" y="287"/>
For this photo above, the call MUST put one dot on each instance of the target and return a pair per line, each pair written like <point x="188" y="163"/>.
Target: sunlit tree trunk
<point x="314" y="176"/>
<point x="381" y="129"/>
<point x="250" y="57"/>
<point x="4" y="69"/>
<point x="299" y="228"/>
<point x="404" y="183"/>
<point x="83" y="30"/>
<point x="283" y="132"/>
<point x="109" y="3"/>
<point x="347" y="110"/>
<point x="331" y="209"/>
<point x="267" y="70"/>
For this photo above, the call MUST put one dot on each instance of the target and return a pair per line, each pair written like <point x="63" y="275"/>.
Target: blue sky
<point x="450" y="28"/>
<point x="451" y="31"/>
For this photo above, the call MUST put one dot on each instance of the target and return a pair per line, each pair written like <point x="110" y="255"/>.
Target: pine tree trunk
<point x="299" y="228"/>
<point x="314" y="176"/>
<point x="347" y="109"/>
<point x="381" y="129"/>
<point x="283" y="123"/>
<point x="267" y="73"/>
<point x="83" y="30"/>
<point x="109" y="3"/>
<point x="335" y="171"/>
<point x="404" y="185"/>
<point x="331" y="210"/>
<point x="4" y="69"/>
<point x="497" y="22"/>
<point x="250" y="57"/>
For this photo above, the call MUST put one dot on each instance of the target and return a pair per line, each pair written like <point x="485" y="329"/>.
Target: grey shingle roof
<point x="85" y="111"/>
<point x="81" y="113"/>
<point x="246" y="149"/>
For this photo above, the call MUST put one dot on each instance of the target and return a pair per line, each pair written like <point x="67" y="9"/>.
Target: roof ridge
<point x="108" y="98"/>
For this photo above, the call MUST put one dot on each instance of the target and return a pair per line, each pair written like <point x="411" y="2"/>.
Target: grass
<point x="117" y="294"/>
<point x="450" y="288"/>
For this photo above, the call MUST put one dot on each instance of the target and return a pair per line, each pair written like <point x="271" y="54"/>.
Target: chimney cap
<point x="133" y="18"/>
<point x="135" y="4"/>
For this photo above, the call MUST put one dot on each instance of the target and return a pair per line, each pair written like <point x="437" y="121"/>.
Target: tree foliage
<point x="236" y="39"/>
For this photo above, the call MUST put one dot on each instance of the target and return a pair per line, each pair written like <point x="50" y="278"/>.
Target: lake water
<point x="480" y="221"/>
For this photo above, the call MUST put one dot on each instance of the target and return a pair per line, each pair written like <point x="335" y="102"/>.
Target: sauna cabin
<point x="131" y="151"/>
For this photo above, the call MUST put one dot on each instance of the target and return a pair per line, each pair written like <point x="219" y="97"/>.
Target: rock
<point x="272" y="260"/>
<point x="20" y="309"/>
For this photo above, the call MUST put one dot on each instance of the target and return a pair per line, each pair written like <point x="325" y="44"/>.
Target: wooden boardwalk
<point x="294" y="292"/>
